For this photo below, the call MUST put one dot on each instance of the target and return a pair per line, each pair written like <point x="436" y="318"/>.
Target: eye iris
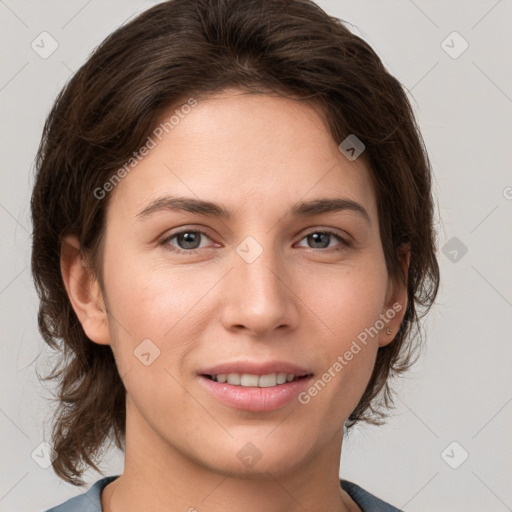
<point x="191" y="239"/>
<point x="188" y="237"/>
<point x="315" y="238"/>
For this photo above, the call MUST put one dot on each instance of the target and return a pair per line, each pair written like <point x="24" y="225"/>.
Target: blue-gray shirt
<point x="90" y="501"/>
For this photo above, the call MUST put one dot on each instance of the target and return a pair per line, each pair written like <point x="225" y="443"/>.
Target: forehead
<point x="247" y="151"/>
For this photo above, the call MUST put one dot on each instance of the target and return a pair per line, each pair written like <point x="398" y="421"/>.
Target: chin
<point x="255" y="460"/>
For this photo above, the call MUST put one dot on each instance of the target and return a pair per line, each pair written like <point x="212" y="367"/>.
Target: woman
<point x="233" y="241"/>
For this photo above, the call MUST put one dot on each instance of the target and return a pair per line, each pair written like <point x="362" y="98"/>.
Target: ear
<point x="396" y="300"/>
<point x="84" y="291"/>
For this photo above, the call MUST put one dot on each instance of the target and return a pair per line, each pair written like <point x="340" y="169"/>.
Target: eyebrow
<point x="210" y="209"/>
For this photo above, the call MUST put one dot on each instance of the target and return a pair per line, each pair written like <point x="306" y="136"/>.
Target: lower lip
<point x="255" y="399"/>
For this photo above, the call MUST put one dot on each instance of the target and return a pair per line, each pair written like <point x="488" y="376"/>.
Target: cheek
<point x="348" y="299"/>
<point x="155" y="302"/>
<point x="153" y="297"/>
<point x="349" y="303"/>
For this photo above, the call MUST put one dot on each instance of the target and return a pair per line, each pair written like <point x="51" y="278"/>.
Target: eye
<point x="188" y="241"/>
<point x="321" y="239"/>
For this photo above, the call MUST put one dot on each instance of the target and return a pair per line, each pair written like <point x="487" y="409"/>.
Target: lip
<point x="255" y="368"/>
<point x="255" y="399"/>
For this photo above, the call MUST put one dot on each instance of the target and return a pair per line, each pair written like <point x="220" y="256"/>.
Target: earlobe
<point x="396" y="303"/>
<point x="84" y="291"/>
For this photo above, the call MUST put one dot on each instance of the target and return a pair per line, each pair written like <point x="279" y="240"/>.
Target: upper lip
<point x="255" y="368"/>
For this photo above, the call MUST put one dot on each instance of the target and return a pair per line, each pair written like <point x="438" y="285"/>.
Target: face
<point x="262" y="291"/>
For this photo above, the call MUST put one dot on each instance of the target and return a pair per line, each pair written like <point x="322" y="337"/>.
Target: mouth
<point x="255" y="387"/>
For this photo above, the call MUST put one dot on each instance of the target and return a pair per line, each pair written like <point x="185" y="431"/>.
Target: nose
<point x="258" y="294"/>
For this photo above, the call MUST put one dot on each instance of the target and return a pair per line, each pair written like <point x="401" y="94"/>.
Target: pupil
<point x="189" y="238"/>
<point x="316" y="236"/>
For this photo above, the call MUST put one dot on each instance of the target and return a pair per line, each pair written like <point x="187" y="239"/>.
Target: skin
<point x="297" y="302"/>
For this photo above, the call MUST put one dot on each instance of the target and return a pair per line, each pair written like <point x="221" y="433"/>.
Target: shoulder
<point x="366" y="501"/>
<point x="89" y="501"/>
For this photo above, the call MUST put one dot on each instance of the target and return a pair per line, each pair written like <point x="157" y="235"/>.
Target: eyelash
<point x="165" y="241"/>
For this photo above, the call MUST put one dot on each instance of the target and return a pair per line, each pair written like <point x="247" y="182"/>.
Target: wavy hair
<point x="182" y="48"/>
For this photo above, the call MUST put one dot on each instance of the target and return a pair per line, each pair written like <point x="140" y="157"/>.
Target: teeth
<point x="234" y="378"/>
<point x="281" y="378"/>
<point x="267" y="381"/>
<point x="250" y="380"/>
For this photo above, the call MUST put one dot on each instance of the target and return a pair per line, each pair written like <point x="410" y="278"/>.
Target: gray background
<point x="460" y="391"/>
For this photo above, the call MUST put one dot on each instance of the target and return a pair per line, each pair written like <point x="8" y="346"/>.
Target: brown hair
<point x="183" y="48"/>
